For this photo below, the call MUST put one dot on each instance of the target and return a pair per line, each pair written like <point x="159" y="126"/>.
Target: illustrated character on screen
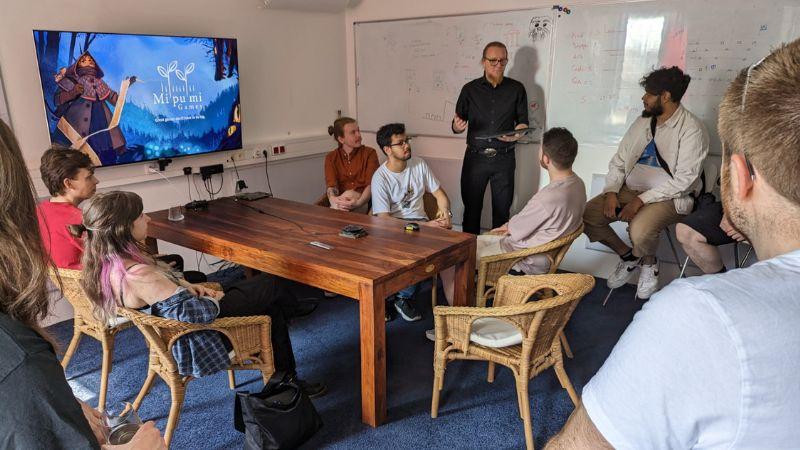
<point x="225" y="50"/>
<point x="233" y="134"/>
<point x="84" y="115"/>
<point x="540" y="28"/>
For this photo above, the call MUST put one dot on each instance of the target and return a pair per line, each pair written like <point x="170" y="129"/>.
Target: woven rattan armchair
<point x="86" y="323"/>
<point x="540" y="323"/>
<point x="249" y="336"/>
<point x="491" y="268"/>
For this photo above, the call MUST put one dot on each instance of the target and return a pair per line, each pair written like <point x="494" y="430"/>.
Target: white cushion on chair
<point x="494" y="332"/>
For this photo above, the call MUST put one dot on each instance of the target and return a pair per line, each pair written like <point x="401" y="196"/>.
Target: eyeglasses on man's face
<point x="403" y="143"/>
<point x="495" y="61"/>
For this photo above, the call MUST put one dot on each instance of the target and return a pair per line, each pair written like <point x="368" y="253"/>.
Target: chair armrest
<point x="243" y="332"/>
<point x="516" y="290"/>
<point x="491" y="268"/>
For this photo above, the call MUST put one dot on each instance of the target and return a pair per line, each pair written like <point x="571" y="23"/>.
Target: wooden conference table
<point x="272" y="235"/>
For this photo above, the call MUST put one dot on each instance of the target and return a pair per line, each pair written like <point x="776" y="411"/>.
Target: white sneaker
<point x="622" y="274"/>
<point x="648" y="281"/>
<point x="431" y="334"/>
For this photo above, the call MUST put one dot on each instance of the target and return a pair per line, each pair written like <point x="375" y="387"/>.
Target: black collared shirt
<point x="491" y="110"/>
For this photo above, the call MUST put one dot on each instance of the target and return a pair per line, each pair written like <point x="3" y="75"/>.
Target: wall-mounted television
<point x="126" y="98"/>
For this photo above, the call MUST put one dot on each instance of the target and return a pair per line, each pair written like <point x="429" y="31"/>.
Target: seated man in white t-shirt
<point x="398" y="187"/>
<point x="712" y="361"/>
<point x="555" y="211"/>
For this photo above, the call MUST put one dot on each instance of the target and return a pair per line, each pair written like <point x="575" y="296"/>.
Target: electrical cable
<point x="235" y="169"/>
<point x="209" y="185"/>
<point x="168" y="181"/>
<point x="266" y="170"/>
<point x="298" y="225"/>
<point x="189" y="185"/>
<point x="194" y="182"/>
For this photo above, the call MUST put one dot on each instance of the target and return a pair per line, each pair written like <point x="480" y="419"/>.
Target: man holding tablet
<point x="490" y="105"/>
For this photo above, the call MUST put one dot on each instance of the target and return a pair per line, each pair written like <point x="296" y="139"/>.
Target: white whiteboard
<point x="412" y="70"/>
<point x="601" y="52"/>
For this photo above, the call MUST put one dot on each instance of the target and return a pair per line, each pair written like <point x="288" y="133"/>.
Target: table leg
<point x="464" y="294"/>
<point x="371" y="306"/>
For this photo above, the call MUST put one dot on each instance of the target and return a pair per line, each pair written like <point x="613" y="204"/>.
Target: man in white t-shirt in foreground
<point x="398" y="187"/>
<point x="712" y="361"/>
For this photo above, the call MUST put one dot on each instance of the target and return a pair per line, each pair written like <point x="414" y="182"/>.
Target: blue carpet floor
<point x="472" y="414"/>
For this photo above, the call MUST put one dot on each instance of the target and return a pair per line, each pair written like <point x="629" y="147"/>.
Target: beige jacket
<point x="683" y="144"/>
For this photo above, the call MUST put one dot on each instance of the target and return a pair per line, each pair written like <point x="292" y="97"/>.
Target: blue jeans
<point x="408" y="292"/>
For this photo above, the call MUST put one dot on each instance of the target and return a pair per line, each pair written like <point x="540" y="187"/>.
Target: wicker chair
<point x="86" y="323"/>
<point x="540" y="323"/>
<point x="250" y="337"/>
<point x="491" y="268"/>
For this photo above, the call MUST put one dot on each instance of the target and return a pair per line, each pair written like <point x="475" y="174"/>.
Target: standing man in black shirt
<point x="490" y="104"/>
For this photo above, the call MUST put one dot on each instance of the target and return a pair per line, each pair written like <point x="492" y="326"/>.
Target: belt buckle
<point x="490" y="152"/>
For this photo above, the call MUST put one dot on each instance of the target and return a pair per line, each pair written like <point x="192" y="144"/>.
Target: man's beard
<point x="735" y="215"/>
<point x="402" y="156"/>
<point x="655" y="111"/>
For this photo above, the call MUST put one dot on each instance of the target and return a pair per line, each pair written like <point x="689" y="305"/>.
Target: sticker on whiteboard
<point x="561" y="8"/>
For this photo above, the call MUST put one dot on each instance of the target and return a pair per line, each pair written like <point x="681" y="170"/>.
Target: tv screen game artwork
<point x="123" y="98"/>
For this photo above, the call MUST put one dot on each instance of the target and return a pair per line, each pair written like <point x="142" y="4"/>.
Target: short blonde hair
<point x="765" y="124"/>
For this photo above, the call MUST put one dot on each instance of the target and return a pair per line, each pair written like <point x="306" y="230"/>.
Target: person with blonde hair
<point x="119" y="271"/>
<point x="349" y="168"/>
<point x="38" y="408"/>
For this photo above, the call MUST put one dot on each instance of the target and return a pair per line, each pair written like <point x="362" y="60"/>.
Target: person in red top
<point x="69" y="176"/>
<point x="349" y="168"/>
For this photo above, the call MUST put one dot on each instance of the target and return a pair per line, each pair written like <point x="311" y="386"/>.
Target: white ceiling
<point x="328" y="6"/>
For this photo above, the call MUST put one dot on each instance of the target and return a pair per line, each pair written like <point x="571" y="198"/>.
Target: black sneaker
<point x="312" y="390"/>
<point x="406" y="309"/>
<point x="389" y="314"/>
<point x="299" y="309"/>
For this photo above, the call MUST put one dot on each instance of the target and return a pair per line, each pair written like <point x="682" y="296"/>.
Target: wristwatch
<point x="449" y="213"/>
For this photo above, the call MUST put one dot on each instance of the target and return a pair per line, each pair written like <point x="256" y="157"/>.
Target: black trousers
<point x="192" y="276"/>
<point x="477" y="171"/>
<point x="262" y="295"/>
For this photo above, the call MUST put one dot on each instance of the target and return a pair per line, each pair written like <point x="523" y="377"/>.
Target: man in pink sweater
<point x="555" y="211"/>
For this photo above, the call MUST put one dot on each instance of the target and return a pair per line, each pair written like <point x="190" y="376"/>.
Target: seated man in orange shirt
<point x="349" y="168"/>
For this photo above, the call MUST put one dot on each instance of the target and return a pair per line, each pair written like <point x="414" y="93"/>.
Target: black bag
<point x="281" y="416"/>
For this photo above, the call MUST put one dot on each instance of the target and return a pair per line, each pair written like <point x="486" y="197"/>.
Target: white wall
<point x="292" y="79"/>
<point x="579" y="258"/>
<point x="447" y="153"/>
